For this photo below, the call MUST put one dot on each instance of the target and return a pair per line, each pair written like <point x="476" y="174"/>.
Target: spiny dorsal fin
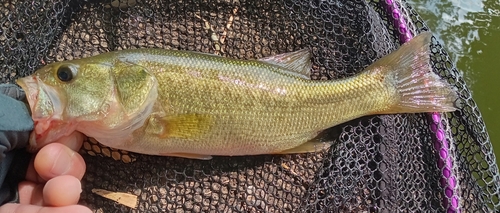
<point x="298" y="61"/>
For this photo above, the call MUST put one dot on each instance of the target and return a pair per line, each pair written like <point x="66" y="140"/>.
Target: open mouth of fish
<point x="48" y="107"/>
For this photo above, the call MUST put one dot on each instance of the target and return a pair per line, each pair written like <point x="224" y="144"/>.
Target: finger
<point x="30" y="193"/>
<point x="74" y="141"/>
<point x="31" y="173"/>
<point x="62" y="191"/>
<point x="56" y="159"/>
<point x="20" y="208"/>
<point x="59" y="191"/>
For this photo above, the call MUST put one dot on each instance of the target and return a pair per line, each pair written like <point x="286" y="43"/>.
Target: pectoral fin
<point x="186" y="126"/>
<point x="310" y="146"/>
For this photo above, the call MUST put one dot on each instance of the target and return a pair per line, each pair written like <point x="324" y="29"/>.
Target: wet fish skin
<point x="195" y="105"/>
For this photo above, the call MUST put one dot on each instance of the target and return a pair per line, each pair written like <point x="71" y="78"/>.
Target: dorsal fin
<point x="299" y="62"/>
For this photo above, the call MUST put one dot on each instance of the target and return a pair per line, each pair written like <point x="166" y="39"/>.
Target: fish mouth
<point x="43" y="114"/>
<point x="49" y="106"/>
<point x="30" y="86"/>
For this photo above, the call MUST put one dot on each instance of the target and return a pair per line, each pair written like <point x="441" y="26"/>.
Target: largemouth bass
<point x="195" y="105"/>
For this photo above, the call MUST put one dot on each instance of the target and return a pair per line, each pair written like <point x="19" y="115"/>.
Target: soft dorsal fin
<point x="299" y="62"/>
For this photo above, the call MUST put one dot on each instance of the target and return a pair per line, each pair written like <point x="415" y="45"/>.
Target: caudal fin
<point x="418" y="89"/>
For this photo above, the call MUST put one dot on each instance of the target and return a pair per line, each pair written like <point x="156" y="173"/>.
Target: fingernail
<point x="62" y="164"/>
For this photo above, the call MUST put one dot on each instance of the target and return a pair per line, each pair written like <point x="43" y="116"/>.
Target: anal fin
<point x="313" y="145"/>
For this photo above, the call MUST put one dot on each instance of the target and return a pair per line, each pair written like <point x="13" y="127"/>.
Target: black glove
<point x="15" y="127"/>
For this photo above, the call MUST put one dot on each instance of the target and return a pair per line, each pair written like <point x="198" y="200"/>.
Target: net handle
<point x="444" y="160"/>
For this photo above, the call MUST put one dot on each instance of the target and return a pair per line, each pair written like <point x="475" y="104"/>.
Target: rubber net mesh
<point x="384" y="163"/>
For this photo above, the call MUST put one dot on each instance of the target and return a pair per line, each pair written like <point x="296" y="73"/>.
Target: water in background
<point x="470" y="31"/>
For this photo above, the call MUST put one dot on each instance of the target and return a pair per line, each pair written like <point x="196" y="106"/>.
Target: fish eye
<point x="65" y="73"/>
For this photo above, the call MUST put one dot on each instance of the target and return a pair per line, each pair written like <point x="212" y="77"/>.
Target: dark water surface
<point x="470" y="30"/>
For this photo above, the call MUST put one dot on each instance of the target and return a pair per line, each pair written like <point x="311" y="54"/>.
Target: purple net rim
<point x="445" y="162"/>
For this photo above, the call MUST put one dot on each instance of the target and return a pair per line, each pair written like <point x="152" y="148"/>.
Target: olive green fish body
<point x="188" y="104"/>
<point x="246" y="107"/>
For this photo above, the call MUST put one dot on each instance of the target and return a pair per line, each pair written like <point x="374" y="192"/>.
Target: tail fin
<point x="418" y="88"/>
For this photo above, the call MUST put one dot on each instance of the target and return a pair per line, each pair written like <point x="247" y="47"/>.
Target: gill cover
<point x="131" y="101"/>
<point x="99" y="98"/>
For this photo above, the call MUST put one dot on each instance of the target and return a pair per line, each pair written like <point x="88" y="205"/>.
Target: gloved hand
<point x="15" y="120"/>
<point x="51" y="182"/>
<point x="15" y="127"/>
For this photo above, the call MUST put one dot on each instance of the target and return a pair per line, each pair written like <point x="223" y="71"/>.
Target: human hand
<point x="53" y="180"/>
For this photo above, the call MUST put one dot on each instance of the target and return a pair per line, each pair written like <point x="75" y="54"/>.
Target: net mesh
<point x="380" y="163"/>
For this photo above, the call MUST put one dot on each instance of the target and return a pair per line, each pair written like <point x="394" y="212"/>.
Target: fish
<point x="198" y="105"/>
